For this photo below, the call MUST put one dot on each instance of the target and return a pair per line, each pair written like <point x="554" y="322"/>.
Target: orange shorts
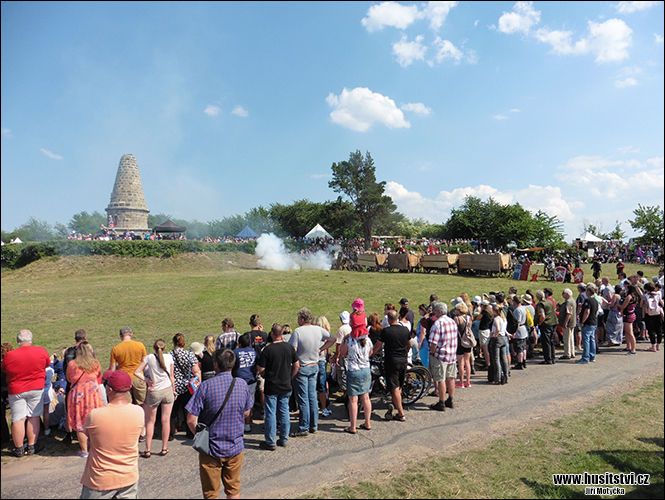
<point x="215" y="471"/>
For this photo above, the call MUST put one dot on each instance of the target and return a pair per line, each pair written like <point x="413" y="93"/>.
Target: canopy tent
<point x="169" y="227"/>
<point x="589" y="237"/>
<point x="248" y="232"/>
<point x="318" y="232"/>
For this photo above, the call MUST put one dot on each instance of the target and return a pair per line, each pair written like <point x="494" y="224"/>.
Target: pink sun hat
<point x="358" y="305"/>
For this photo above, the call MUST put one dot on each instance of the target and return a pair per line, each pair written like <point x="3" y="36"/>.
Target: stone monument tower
<point x="127" y="210"/>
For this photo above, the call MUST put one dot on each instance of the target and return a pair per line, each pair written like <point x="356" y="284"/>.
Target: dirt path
<point x="482" y="413"/>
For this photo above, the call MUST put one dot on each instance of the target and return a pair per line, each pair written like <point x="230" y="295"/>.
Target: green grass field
<point x="192" y="293"/>
<point x="622" y="434"/>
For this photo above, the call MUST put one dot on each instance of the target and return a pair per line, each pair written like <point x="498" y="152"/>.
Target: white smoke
<point x="273" y="255"/>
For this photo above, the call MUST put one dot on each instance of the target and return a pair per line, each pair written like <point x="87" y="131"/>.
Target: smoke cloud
<point x="273" y="255"/>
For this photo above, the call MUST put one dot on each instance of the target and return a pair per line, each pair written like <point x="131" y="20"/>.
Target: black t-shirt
<point x="277" y="359"/>
<point x="395" y="340"/>
<point x="257" y="340"/>
<point x="592" y="305"/>
<point x="485" y="320"/>
<point x="207" y="362"/>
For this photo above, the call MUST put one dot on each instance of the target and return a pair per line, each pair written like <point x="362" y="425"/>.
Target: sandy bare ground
<point x="330" y="457"/>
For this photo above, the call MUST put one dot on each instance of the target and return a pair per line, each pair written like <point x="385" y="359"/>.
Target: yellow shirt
<point x="128" y="355"/>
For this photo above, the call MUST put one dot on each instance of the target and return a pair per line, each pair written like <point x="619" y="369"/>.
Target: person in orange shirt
<point x="127" y="356"/>
<point x="113" y="434"/>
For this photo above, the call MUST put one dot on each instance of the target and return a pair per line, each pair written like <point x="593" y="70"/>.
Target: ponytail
<point x="159" y="347"/>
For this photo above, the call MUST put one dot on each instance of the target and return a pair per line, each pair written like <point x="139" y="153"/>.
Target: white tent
<point x="318" y="232"/>
<point x="589" y="237"/>
<point x="17" y="240"/>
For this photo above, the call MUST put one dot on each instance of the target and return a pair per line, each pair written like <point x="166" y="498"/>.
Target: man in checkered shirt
<point x="443" y="355"/>
<point x="227" y="446"/>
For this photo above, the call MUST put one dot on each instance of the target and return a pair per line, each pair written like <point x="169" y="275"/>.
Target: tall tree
<point x="356" y="178"/>
<point x="648" y="220"/>
<point x="85" y="223"/>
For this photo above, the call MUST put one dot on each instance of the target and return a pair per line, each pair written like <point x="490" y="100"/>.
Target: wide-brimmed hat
<point x="345" y="317"/>
<point x="527" y="298"/>
<point x="196" y="347"/>
<point x="477" y="299"/>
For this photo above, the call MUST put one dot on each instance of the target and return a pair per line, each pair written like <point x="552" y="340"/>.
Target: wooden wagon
<point x="441" y="263"/>
<point x="402" y="262"/>
<point x="491" y="264"/>
<point x="372" y="261"/>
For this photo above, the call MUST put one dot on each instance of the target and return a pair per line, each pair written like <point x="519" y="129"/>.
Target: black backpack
<point x="513" y="325"/>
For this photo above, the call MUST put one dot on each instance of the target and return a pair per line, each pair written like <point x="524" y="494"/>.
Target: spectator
<point x="161" y="390"/>
<point x="26" y="371"/>
<point x="84" y="374"/>
<point x="279" y="364"/>
<point x="185" y="365"/>
<point x="224" y="463"/>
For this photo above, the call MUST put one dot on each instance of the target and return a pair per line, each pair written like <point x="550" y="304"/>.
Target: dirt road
<point x="330" y="457"/>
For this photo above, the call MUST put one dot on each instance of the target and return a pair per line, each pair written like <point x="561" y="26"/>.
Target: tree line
<point x="361" y="210"/>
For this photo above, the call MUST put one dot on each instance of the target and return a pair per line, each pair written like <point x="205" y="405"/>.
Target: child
<point x="358" y="321"/>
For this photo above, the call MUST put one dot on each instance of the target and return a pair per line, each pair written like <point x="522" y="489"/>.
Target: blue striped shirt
<point x="226" y="433"/>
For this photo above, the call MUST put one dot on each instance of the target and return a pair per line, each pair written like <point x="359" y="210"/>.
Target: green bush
<point x="22" y="254"/>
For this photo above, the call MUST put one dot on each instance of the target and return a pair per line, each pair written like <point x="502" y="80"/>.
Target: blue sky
<point x="228" y="106"/>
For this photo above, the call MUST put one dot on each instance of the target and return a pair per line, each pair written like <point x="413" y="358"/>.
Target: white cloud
<point x="360" y="108"/>
<point x="437" y="12"/>
<point x="628" y="149"/>
<point x="417" y="107"/>
<point x="240" y="111"/>
<point x="533" y="198"/>
<point x="608" y="41"/>
<point x="515" y="110"/>
<point x="51" y="155"/>
<point x="521" y="19"/>
<point x="617" y="180"/>
<point x="630" y="7"/>
<point x="658" y="38"/>
<point x="390" y="14"/>
<point x="407" y="52"/>
<point x="446" y="50"/>
<point x="628" y="82"/>
<point x="657" y="162"/>
<point x="6" y="132"/>
<point x="212" y="110"/>
<point x="500" y="117"/>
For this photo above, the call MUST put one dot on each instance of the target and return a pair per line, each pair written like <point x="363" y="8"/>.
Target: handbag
<point x="202" y="437"/>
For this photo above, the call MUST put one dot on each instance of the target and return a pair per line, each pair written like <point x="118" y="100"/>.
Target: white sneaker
<point x="248" y="428"/>
<point x="326" y="412"/>
<point x="47" y="432"/>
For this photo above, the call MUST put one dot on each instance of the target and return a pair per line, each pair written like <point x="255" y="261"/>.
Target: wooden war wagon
<point x="441" y="263"/>
<point x="491" y="264"/>
<point x="402" y="262"/>
<point x="371" y="261"/>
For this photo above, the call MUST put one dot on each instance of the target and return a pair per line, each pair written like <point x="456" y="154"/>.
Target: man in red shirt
<point x="26" y="374"/>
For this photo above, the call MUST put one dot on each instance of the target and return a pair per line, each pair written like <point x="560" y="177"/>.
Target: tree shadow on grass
<point x="551" y="491"/>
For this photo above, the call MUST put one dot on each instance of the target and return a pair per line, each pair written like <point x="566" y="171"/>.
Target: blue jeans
<point x="321" y="379"/>
<point x="588" y="343"/>
<point x="308" y="401"/>
<point x="277" y="405"/>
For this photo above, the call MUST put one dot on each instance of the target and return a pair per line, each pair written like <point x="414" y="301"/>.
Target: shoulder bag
<point x="202" y="436"/>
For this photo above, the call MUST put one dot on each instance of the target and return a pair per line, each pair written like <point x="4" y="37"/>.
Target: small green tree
<point x="35" y="230"/>
<point x="649" y="220"/>
<point x="356" y="178"/>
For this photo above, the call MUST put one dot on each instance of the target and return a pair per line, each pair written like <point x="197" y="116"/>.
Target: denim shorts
<point x="358" y="382"/>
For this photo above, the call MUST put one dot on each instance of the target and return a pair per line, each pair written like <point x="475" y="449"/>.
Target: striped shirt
<point x="444" y="336"/>
<point x="226" y="433"/>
